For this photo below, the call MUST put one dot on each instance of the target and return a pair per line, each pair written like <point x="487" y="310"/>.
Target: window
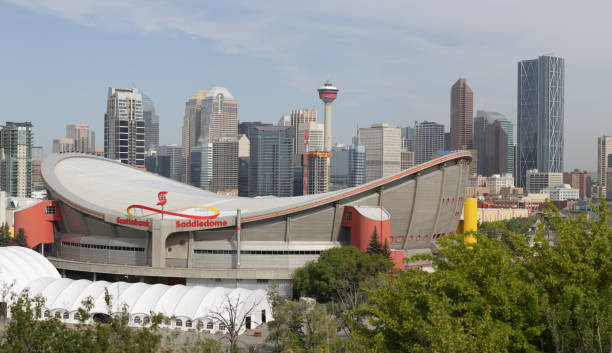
<point x="210" y="326"/>
<point x="188" y="323"/>
<point x="221" y="327"/>
<point x="349" y="216"/>
<point x="137" y="319"/>
<point x="262" y="281"/>
<point x="58" y="315"/>
<point x="49" y="209"/>
<point x="47" y="314"/>
<point x="77" y="317"/>
<point x="146" y="320"/>
<point x="178" y="323"/>
<point x="66" y="315"/>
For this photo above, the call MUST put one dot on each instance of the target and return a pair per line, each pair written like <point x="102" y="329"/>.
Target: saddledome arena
<point x="251" y="241"/>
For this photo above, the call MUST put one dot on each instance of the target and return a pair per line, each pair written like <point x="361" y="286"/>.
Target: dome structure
<point x="186" y="307"/>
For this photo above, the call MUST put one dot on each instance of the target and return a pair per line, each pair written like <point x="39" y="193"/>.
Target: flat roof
<point x="99" y="186"/>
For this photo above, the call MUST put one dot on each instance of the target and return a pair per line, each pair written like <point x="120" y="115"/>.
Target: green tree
<point x="21" y="239"/>
<point x="375" y="246"/>
<point x="521" y="294"/>
<point x="5" y="237"/>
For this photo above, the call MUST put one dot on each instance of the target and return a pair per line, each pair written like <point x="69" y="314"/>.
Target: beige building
<point x="383" y="146"/>
<point x="496" y="182"/>
<point x="314" y="131"/>
<point x="538" y="181"/>
<point x="192" y="124"/>
<point x="407" y="160"/>
<point x="604" y="149"/>
<point x="80" y="134"/>
<point x="500" y="214"/>
<point x="63" y="145"/>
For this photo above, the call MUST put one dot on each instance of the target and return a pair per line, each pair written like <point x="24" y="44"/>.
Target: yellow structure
<point x="470" y="220"/>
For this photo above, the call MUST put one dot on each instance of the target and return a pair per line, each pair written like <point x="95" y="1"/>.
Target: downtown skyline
<point x="394" y="85"/>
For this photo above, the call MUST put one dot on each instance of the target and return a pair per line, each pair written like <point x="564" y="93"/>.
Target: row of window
<point x="102" y="247"/>
<point x="259" y="252"/>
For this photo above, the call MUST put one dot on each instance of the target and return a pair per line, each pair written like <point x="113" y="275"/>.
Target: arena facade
<point x="103" y="218"/>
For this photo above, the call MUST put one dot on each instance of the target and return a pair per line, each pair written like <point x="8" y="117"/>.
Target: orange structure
<point x="37" y="222"/>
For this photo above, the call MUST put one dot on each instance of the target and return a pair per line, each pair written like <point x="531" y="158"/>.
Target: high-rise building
<point x="225" y="166"/>
<point x="124" y="126"/>
<point x="461" y="115"/>
<point x="92" y="142"/>
<point x="579" y="179"/>
<point x="347" y="167"/>
<point x="63" y="145"/>
<point x="428" y="140"/>
<point x="309" y="138"/>
<point x="407" y="138"/>
<point x="151" y="120"/>
<point x="496" y="153"/>
<point x="316" y="172"/>
<point x="407" y="160"/>
<point x="171" y="165"/>
<point x="37" y="153"/>
<point x="271" y="161"/>
<point x="540" y="115"/>
<point x="16" y="159"/>
<point x="244" y="127"/>
<point x="79" y="133"/>
<point x="192" y="123"/>
<point x="201" y="160"/>
<point x="383" y="146"/>
<point x="538" y="181"/>
<point x="219" y="115"/>
<point x="482" y="120"/>
<point x="604" y="149"/>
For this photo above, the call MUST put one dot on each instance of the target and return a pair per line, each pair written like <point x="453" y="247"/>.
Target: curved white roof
<point x="28" y="269"/>
<point x="222" y="90"/>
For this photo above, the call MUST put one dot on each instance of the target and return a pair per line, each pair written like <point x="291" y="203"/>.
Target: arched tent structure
<point x="186" y="307"/>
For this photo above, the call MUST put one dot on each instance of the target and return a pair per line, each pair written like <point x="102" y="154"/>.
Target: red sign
<point x="162" y="198"/>
<point x="197" y="223"/>
<point x="133" y="222"/>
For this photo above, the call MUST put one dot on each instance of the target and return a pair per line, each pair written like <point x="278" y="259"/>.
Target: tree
<point x="5" y="237"/>
<point x="233" y="315"/>
<point x="375" y="246"/>
<point x="515" y="295"/>
<point x="21" y="239"/>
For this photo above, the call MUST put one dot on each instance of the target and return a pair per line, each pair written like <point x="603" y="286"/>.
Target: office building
<point x="309" y="138"/>
<point x="16" y="159"/>
<point x="461" y="116"/>
<point x="63" y="145"/>
<point x="482" y="120"/>
<point x="151" y="120"/>
<point x="496" y="153"/>
<point x="407" y="138"/>
<point x="171" y="165"/>
<point x="383" y="146"/>
<point x="579" y="179"/>
<point x="271" y="161"/>
<point x="347" y="166"/>
<point x="562" y="192"/>
<point x="37" y="153"/>
<point x="79" y="133"/>
<point x="540" y="115"/>
<point x="225" y="166"/>
<point x="496" y="182"/>
<point x="151" y="161"/>
<point x="407" y="161"/>
<point x="219" y="115"/>
<point x="192" y="123"/>
<point x="316" y="172"/>
<point x="244" y="127"/>
<point x="124" y="126"/>
<point x="604" y="149"/>
<point x="538" y="181"/>
<point x="428" y="140"/>
<point x="201" y="165"/>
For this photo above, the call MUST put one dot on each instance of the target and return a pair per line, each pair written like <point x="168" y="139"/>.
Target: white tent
<point x="193" y="307"/>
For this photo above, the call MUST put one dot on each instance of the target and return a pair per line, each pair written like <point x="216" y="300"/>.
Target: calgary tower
<point x="328" y="94"/>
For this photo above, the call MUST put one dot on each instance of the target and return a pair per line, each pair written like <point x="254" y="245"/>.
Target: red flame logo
<point x="162" y="198"/>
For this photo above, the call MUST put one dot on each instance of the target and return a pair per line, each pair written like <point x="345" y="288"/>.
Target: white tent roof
<point x="28" y="269"/>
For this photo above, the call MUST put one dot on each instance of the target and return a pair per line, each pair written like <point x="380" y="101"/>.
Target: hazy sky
<point x="393" y="61"/>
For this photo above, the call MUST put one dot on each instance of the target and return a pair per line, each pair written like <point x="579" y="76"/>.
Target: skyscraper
<point x="63" y="145"/>
<point x="173" y="168"/>
<point x="604" y="149"/>
<point x="309" y="138"/>
<point x="347" y="166"/>
<point x="540" y="116"/>
<point x="79" y="133"/>
<point x="201" y="160"/>
<point x="461" y="115"/>
<point x="151" y="120"/>
<point x="124" y="126"/>
<point x="192" y="123"/>
<point x="496" y="153"/>
<point x="407" y="138"/>
<point x="482" y="120"/>
<point x="428" y="140"/>
<point x="16" y="159"/>
<point x="219" y="126"/>
<point x="271" y="161"/>
<point x="383" y="150"/>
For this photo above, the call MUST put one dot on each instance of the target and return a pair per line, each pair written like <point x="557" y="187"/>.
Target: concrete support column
<point x="159" y="234"/>
<point x="190" y="250"/>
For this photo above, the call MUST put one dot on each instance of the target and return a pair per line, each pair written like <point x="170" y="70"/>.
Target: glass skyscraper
<point x="540" y="115"/>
